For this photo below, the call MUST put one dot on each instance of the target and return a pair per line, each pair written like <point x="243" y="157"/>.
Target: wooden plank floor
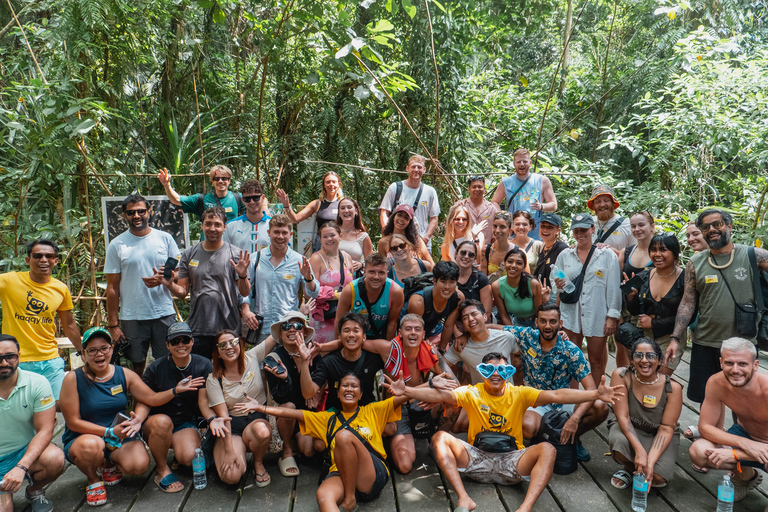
<point x="423" y="490"/>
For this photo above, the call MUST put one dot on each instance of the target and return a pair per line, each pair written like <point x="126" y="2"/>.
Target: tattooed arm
<point x="685" y="312"/>
<point x="666" y="429"/>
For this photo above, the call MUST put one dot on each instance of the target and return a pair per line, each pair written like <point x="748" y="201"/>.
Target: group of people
<point x="283" y="349"/>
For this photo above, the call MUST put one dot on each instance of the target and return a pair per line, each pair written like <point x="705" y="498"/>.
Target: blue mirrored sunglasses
<point x="487" y="369"/>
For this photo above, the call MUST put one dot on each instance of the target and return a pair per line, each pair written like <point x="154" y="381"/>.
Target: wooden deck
<point x="423" y="490"/>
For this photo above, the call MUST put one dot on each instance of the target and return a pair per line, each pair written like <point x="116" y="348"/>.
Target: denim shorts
<point x="738" y="430"/>
<point x="107" y="451"/>
<point x="52" y="369"/>
<point x="186" y="424"/>
<point x="9" y="460"/>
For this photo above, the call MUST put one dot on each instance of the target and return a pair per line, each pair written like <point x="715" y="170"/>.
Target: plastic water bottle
<point x="639" y="492"/>
<point x="199" y="478"/>
<point x="725" y="495"/>
<point x="559" y="273"/>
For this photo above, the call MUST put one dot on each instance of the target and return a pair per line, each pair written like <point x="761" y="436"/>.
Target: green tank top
<point x="716" y="306"/>
<point x="521" y="308"/>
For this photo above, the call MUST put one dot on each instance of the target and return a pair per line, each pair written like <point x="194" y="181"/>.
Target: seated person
<point x="353" y="432"/>
<point x="497" y="406"/>
<point x="232" y="391"/>
<point x="93" y="400"/>
<point x="174" y="424"/>
<point x="644" y="438"/>
<point x="550" y="363"/>
<point x="25" y="446"/>
<point x="438" y="304"/>
<point x="744" y="446"/>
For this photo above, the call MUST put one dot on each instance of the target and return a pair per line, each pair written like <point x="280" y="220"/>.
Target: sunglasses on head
<point x="40" y="255"/>
<point x="287" y="326"/>
<point x="11" y="358"/>
<point x="474" y="178"/>
<point x="717" y="225"/>
<point x="138" y="211"/>
<point x="467" y="254"/>
<point x="181" y="339"/>
<point x="395" y="248"/>
<point x="220" y="178"/>
<point x="651" y="356"/>
<point x="248" y="199"/>
<point x="226" y="344"/>
<point x="505" y="371"/>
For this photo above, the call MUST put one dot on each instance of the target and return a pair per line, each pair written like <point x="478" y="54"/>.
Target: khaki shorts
<point x="492" y="468"/>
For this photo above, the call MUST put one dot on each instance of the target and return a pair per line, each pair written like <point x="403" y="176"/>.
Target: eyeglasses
<point x="226" y="344"/>
<point x="651" y="356"/>
<point x="103" y="350"/>
<point x="11" y="358"/>
<point x="138" y="211"/>
<point x="40" y="255"/>
<point x="474" y="178"/>
<point x="181" y="339"/>
<point x="505" y="370"/>
<point x="395" y="248"/>
<point x="467" y="254"/>
<point x="287" y="326"/>
<point x="220" y="178"/>
<point x="248" y="199"/>
<point x="717" y="225"/>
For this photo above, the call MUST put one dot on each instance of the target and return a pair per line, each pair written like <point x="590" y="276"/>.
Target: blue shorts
<point x="52" y="369"/>
<point x="186" y="424"/>
<point x="107" y="451"/>
<point x="9" y="461"/>
<point x="738" y="430"/>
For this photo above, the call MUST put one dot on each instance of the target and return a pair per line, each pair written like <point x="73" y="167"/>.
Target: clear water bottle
<point x="725" y="495"/>
<point x="559" y="273"/>
<point x="199" y="477"/>
<point x="639" y="492"/>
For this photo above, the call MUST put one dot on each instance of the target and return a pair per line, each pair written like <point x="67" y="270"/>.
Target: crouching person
<point x="494" y="452"/>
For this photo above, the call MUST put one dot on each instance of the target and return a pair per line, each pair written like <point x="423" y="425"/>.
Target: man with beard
<point x="31" y="300"/>
<point x="611" y="229"/>
<point x="744" y="446"/>
<point x="146" y="309"/>
<point x="716" y="280"/>
<point x="26" y="422"/>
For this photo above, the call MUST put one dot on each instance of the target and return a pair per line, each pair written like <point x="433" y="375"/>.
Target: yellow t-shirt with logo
<point x="496" y="413"/>
<point x="29" y="311"/>
<point x="369" y="423"/>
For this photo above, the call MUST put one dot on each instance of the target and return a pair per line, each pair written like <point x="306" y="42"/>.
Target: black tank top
<point x="630" y="269"/>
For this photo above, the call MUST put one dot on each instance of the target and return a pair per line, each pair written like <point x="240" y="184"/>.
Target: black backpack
<point x="552" y="424"/>
<point x="415" y="284"/>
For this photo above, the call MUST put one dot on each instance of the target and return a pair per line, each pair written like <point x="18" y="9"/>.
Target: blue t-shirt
<point x="531" y="192"/>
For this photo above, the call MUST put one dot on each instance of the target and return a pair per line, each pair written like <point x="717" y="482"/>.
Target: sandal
<point x="286" y="465"/>
<point x="699" y="469"/>
<point x="265" y="479"/>
<point x="96" y="494"/>
<point x="694" y="433"/>
<point x="622" y="476"/>
<point x="167" y="481"/>
<point x="742" y="487"/>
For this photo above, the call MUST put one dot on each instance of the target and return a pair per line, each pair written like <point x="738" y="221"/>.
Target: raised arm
<point x="165" y="179"/>
<point x="608" y="394"/>
<point x="304" y="214"/>
<point x="423" y="394"/>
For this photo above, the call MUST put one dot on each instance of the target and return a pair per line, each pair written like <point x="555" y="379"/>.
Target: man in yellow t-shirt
<point x="31" y="300"/>
<point x="497" y="406"/>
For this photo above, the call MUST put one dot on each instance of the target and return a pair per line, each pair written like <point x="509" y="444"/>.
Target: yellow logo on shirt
<point x="531" y="352"/>
<point x="649" y="399"/>
<point x="496" y="420"/>
<point x="193" y="263"/>
<point x="599" y="273"/>
<point x="116" y="390"/>
<point x="710" y="279"/>
<point x="46" y="400"/>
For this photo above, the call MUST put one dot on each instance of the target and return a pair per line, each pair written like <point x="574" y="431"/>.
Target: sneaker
<point x="582" y="455"/>
<point x="110" y="476"/>
<point x="38" y="500"/>
<point x="742" y="487"/>
<point x="96" y="494"/>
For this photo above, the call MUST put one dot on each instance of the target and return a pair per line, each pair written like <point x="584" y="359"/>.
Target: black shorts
<point x="239" y="423"/>
<point x="382" y="477"/>
<point x="705" y="362"/>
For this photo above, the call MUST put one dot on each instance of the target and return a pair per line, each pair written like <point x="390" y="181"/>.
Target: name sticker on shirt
<point x="616" y="233"/>
<point x="599" y="273"/>
<point x="193" y="263"/>
<point x="116" y="390"/>
<point x="423" y="203"/>
<point x="710" y="279"/>
<point x="287" y="277"/>
<point x="248" y="377"/>
<point x="228" y="209"/>
<point x="649" y="399"/>
<point x="46" y="400"/>
<point x="485" y="408"/>
<point x="531" y="352"/>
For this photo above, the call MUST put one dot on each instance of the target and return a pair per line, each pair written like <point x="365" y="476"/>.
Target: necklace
<point x="674" y="271"/>
<point x="182" y="369"/>
<point x="648" y="383"/>
<point x="292" y="354"/>
<point x="727" y="263"/>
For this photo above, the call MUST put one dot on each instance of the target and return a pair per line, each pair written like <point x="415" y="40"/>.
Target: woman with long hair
<point x="235" y="383"/>
<point x="325" y="208"/>
<point x="694" y="238"/>
<point x="644" y="437"/>
<point x="401" y="223"/>
<point x="333" y="268"/>
<point x="492" y="262"/>
<point x="354" y="236"/>
<point x="522" y="224"/>
<point x="473" y="283"/>
<point x="99" y="438"/>
<point x="459" y="227"/>
<point x="517" y="293"/>
<point x="406" y="264"/>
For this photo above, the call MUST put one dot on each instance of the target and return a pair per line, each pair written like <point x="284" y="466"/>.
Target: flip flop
<point x="264" y="481"/>
<point x="624" y="477"/>
<point x="341" y="509"/>
<point x="286" y="464"/>
<point x="165" y="483"/>
<point x="699" y="469"/>
<point x="461" y="509"/>
<point x="695" y="434"/>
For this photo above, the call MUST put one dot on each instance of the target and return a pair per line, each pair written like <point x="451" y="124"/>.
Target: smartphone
<point x="636" y="282"/>
<point x="170" y="266"/>
<point x="119" y="418"/>
<point x="270" y="362"/>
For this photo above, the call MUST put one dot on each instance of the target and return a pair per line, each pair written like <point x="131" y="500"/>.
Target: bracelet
<point x="738" y="464"/>
<point x="676" y="338"/>
<point x="242" y="277"/>
<point x="209" y="420"/>
<point x="21" y="466"/>
<point x="175" y="393"/>
<point x="430" y="382"/>
<point x="113" y="326"/>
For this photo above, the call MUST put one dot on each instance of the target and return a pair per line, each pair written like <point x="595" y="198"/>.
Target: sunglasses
<point x="287" y="326"/>
<point x="395" y="248"/>
<point x="717" y="225"/>
<point x="11" y="358"/>
<point x="467" y="254"/>
<point x="220" y="178"/>
<point x="226" y="344"/>
<point x="103" y="350"/>
<point x="248" y="199"/>
<point x="138" y="211"/>
<point x="460" y="219"/>
<point x="505" y="371"/>
<point x="40" y="255"/>
<point x="181" y="339"/>
<point x="651" y="356"/>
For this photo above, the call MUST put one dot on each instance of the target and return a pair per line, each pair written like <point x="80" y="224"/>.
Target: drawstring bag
<point x="552" y="424"/>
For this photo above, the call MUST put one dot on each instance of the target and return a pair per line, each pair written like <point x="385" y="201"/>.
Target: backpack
<point x="415" y="284"/>
<point x="399" y="192"/>
<point x="238" y="199"/>
<point x="552" y="424"/>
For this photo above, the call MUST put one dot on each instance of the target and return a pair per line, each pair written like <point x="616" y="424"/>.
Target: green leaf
<point x="84" y="127"/>
<point x="15" y="126"/>
<point x="367" y="3"/>
<point x="439" y="5"/>
<point x="218" y="16"/>
<point x="362" y="92"/>
<point x="381" y="26"/>
<point x="409" y="8"/>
